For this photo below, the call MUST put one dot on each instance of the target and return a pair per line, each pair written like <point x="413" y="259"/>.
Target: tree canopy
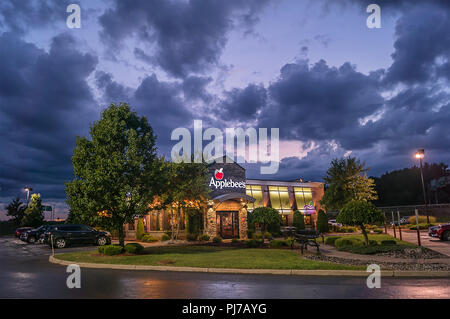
<point x="265" y="216"/>
<point x="34" y="216"/>
<point x="347" y="180"/>
<point x="117" y="172"/>
<point x="16" y="210"/>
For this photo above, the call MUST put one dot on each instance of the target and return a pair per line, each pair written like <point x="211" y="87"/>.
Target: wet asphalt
<point x="26" y="273"/>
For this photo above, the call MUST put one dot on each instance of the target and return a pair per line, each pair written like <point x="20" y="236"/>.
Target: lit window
<point x="255" y="191"/>
<point x="303" y="196"/>
<point x="279" y="198"/>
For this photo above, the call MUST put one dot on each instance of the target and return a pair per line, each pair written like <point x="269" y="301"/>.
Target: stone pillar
<point x="243" y="225"/>
<point x="211" y="224"/>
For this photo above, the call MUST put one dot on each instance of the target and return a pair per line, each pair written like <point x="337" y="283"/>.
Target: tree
<point x="16" y="210"/>
<point x="347" y="180"/>
<point x="117" y="172"/>
<point x="265" y="216"/>
<point x="187" y="188"/>
<point x="298" y="220"/>
<point x="34" y="216"/>
<point x="360" y="213"/>
<point x="322" y="222"/>
<point x="140" y="231"/>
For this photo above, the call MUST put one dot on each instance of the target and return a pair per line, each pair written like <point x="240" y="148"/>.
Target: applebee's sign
<point x="219" y="183"/>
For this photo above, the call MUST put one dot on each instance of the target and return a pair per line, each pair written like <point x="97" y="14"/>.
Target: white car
<point x="332" y="222"/>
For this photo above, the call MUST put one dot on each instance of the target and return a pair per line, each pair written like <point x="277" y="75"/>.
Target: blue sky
<point x="312" y="68"/>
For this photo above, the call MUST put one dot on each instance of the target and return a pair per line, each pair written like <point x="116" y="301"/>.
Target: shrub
<point x="278" y="243"/>
<point x="322" y="222"/>
<point x="422" y="219"/>
<point x="165" y="237"/>
<point x="204" y="237"/>
<point x="299" y="220"/>
<point x="343" y="242"/>
<point x="134" y="248"/>
<point x="111" y="250"/>
<point x="253" y="243"/>
<point x="331" y="240"/>
<point x="140" y="231"/>
<point x="388" y="242"/>
<point x="250" y="233"/>
<point x="377" y="231"/>
<point x="290" y="241"/>
<point x="257" y="236"/>
<point x="373" y="242"/>
<point x="235" y="240"/>
<point x="267" y="235"/>
<point x="191" y="237"/>
<point x="421" y="226"/>
<point x="101" y="249"/>
<point x="217" y="240"/>
<point x="147" y="238"/>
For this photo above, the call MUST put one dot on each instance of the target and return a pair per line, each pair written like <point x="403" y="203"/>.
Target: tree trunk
<point x="363" y="231"/>
<point x="121" y="236"/>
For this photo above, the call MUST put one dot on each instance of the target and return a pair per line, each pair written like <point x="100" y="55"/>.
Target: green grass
<point x="210" y="257"/>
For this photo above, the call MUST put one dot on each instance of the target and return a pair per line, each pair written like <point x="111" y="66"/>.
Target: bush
<point x="377" y="231"/>
<point x="257" y="236"/>
<point x="388" y="242"/>
<point x="250" y="233"/>
<point x="204" y="237"/>
<point x="422" y="219"/>
<point x="343" y="242"/>
<point x="134" y="248"/>
<point x="147" y="238"/>
<point x="191" y="237"/>
<point x="278" y="243"/>
<point x="322" y="222"/>
<point x="299" y="220"/>
<point x="111" y="250"/>
<point x="267" y="235"/>
<point x="290" y="241"/>
<point x="253" y="243"/>
<point x="140" y="231"/>
<point x="165" y="237"/>
<point x="101" y="249"/>
<point x="217" y="240"/>
<point x="331" y="240"/>
<point x="235" y="240"/>
<point x="373" y="242"/>
<point x="421" y="226"/>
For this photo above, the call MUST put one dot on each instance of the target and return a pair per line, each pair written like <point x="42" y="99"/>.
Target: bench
<point x="305" y="238"/>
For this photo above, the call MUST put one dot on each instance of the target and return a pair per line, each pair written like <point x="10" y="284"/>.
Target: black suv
<point x="33" y="235"/>
<point x="63" y="235"/>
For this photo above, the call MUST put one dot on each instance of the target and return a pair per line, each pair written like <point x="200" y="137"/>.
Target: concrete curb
<point x="293" y="272"/>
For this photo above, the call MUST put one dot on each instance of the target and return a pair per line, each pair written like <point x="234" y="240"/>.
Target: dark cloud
<point x="44" y="102"/>
<point x="242" y="104"/>
<point x="189" y="35"/>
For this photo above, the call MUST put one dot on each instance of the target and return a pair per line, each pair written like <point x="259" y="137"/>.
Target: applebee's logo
<point x="218" y="174"/>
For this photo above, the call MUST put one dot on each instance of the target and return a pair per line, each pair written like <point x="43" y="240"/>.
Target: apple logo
<point x="218" y="174"/>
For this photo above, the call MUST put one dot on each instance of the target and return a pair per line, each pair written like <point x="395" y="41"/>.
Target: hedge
<point x="134" y="248"/>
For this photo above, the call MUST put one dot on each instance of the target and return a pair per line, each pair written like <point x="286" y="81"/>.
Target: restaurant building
<point x="232" y="196"/>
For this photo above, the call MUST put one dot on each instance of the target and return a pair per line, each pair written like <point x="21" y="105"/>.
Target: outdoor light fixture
<point x="419" y="155"/>
<point x="28" y="190"/>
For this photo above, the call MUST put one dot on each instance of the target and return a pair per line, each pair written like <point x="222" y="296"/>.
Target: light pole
<point x="28" y="190"/>
<point x="419" y="155"/>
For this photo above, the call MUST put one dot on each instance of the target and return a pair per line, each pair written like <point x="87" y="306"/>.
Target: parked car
<point x="33" y="235"/>
<point x="20" y="230"/>
<point x="64" y="235"/>
<point x="332" y="222"/>
<point x="403" y="221"/>
<point x="441" y="231"/>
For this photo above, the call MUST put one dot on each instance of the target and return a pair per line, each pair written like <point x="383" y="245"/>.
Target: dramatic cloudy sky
<point x="311" y="68"/>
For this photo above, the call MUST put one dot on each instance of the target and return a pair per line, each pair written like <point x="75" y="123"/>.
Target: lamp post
<point x="419" y="155"/>
<point x="28" y="190"/>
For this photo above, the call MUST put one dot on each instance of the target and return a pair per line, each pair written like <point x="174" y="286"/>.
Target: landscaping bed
<point x="210" y="257"/>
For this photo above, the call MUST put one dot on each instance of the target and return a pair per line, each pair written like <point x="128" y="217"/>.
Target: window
<point x="303" y="196"/>
<point x="255" y="191"/>
<point x="279" y="198"/>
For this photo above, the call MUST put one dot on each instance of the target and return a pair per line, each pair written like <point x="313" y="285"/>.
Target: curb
<point x="290" y="272"/>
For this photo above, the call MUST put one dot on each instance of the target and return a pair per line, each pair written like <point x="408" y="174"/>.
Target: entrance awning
<point x="225" y="197"/>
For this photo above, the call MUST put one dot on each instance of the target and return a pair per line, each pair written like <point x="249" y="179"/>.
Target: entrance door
<point x="228" y="224"/>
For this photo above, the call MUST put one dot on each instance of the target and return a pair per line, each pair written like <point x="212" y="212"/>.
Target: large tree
<point x="347" y="180"/>
<point x="34" y="216"/>
<point x="16" y="210"/>
<point x="117" y="172"/>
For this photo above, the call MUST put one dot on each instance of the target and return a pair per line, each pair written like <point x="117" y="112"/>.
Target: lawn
<point x="209" y="257"/>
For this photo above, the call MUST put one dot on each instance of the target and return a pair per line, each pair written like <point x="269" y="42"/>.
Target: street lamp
<point x="420" y="155"/>
<point x="28" y="190"/>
